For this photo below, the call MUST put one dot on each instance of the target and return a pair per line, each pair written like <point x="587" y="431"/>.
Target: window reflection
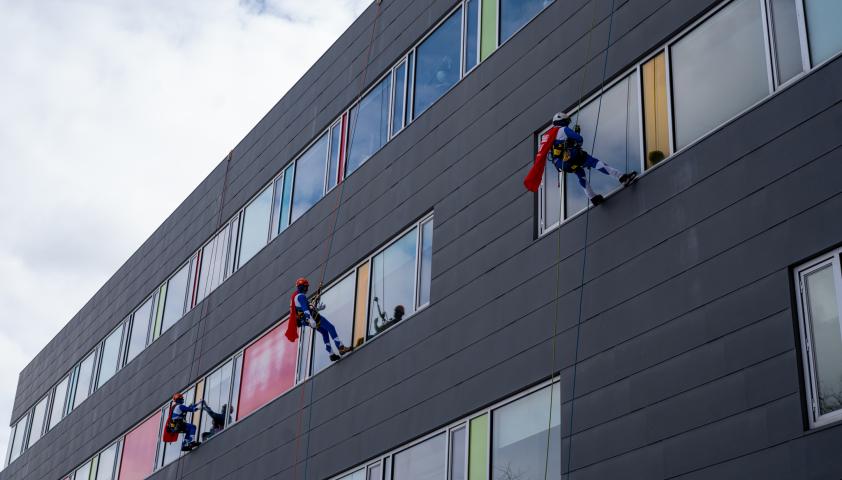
<point x="83" y="472"/>
<point x="18" y="438"/>
<point x="217" y="415"/>
<point x="309" y="182"/>
<point x="212" y="272"/>
<point x="59" y="401"/>
<point x="338" y="304"/>
<point x="520" y="438"/>
<point x="424" y="461"/>
<point x="369" y="127"/>
<point x="335" y="154"/>
<point x="823" y="30"/>
<point x="110" y="356"/>
<point x="458" y="454"/>
<point x="39" y="417"/>
<point x="84" y="378"/>
<point x="426" y="266"/>
<point x="514" y="14"/>
<point x="655" y="114"/>
<point x="139" y="330"/>
<point x="471" y="34"/>
<point x="438" y="63"/>
<point x="823" y="312"/>
<point x="718" y="70"/>
<point x="398" y="98"/>
<point x="393" y="283"/>
<point x="106" y="465"/>
<point x="176" y="301"/>
<point x="786" y="39"/>
<point x="255" y="228"/>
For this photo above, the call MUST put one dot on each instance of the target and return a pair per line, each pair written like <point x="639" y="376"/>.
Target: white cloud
<point x="112" y="112"/>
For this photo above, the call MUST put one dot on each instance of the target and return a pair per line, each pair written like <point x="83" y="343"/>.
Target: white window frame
<point x="834" y="260"/>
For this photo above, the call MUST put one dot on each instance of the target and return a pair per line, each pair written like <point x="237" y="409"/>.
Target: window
<point x="110" y="361"/>
<point x="785" y="36"/>
<point x="176" y="302"/>
<point x="218" y="398"/>
<point x="424" y="461"/>
<point x="458" y="454"/>
<point x="339" y="309"/>
<point x="520" y="437"/>
<point x="375" y="472"/>
<point x="214" y="255"/>
<point x="655" y="113"/>
<point x="718" y="70"/>
<point x="488" y="28"/>
<point x="398" y="97"/>
<point x="106" y="468"/>
<point x="84" y="379"/>
<point x="310" y="177"/>
<point x="335" y="155"/>
<point x="426" y="268"/>
<point x="255" y="228"/>
<point x="39" y="420"/>
<point x="361" y="310"/>
<point x="478" y="449"/>
<point x="369" y="128"/>
<point x="823" y="28"/>
<point x="410" y="87"/>
<point x="139" y="329"/>
<point x="59" y="407"/>
<point x="820" y="288"/>
<point x="18" y="438"/>
<point x="282" y="202"/>
<point x="514" y="14"/>
<point x="471" y="34"/>
<point x="392" y="282"/>
<point x="358" y="475"/>
<point x="438" y="63"/>
<point x="139" y="448"/>
<point x="268" y="370"/>
<point x="83" y="472"/>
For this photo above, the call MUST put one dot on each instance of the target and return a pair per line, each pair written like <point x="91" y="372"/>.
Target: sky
<point x="111" y="113"/>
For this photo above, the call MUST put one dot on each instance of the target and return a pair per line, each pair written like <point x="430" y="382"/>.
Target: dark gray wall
<point x="688" y="358"/>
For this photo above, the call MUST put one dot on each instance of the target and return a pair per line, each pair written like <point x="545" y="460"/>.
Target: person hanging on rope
<point x="177" y="422"/>
<point x="306" y="312"/>
<point x="562" y="145"/>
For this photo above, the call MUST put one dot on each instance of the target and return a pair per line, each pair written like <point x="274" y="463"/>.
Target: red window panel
<point x="139" y="448"/>
<point x="268" y="370"/>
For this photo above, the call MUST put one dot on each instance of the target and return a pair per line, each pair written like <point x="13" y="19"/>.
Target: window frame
<point x="98" y="371"/>
<point x="149" y="322"/>
<point x="834" y="260"/>
<point x="351" y="123"/>
<point x="46" y="398"/>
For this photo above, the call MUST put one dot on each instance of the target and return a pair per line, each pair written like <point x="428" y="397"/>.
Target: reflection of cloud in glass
<point x="519" y="443"/>
<point x="309" y="178"/>
<point x="438" y="63"/>
<point x="369" y="125"/>
<point x="339" y="309"/>
<point x="256" y="225"/>
<point x="393" y="279"/>
<point x="514" y="14"/>
<point x="423" y="461"/>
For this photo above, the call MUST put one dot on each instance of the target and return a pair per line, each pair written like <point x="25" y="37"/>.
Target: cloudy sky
<point x="97" y="98"/>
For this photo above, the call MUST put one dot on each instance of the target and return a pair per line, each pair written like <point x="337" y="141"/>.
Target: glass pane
<point x="392" y="283"/>
<point x="176" y="301"/>
<point x="361" y="310"/>
<point x="18" y="439"/>
<point x="339" y="310"/>
<point x="823" y="312"/>
<point x="514" y="14"/>
<point x="718" y="70"/>
<point x="425" y="461"/>
<point x="212" y="272"/>
<point x="358" y="475"/>
<point x="217" y="397"/>
<point x="168" y="452"/>
<point x="110" y="356"/>
<point x="655" y="114"/>
<point x="551" y="195"/>
<point x="235" y="393"/>
<point x="286" y="201"/>
<point x="439" y="63"/>
<point x="140" y="328"/>
<point x="616" y="141"/>
<point x="488" y="41"/>
<point x="410" y="86"/>
<point x="59" y="401"/>
<point x="787" y="42"/>
<point x="335" y="151"/>
<point x="375" y="472"/>
<point x="107" y="460"/>
<point x="398" y="98"/>
<point x="9" y="445"/>
<point x="84" y="379"/>
<point x="472" y="34"/>
<point x="823" y="30"/>
<point x="458" y="469"/>
<point x="255" y="228"/>
<point x="139" y="449"/>
<point x="39" y="417"/>
<point x="426" y="268"/>
<point x="232" y="246"/>
<point x="369" y="129"/>
<point x="309" y="182"/>
<point x="519" y="437"/>
<point x="268" y="370"/>
<point x="478" y="450"/>
<point x="83" y="472"/>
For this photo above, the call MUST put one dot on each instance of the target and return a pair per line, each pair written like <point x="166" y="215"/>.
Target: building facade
<point x="688" y="328"/>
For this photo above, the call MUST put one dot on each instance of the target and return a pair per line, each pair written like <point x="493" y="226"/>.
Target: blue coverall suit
<point x="179" y="416"/>
<point x="576" y="164"/>
<point x="323" y="326"/>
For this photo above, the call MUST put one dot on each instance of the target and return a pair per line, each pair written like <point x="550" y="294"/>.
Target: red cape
<point x="292" y="324"/>
<point x="169" y="436"/>
<point x="536" y="173"/>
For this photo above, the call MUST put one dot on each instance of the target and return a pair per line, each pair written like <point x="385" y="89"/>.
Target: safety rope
<point x="352" y="131"/>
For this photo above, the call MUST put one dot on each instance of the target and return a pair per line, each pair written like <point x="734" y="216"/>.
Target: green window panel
<point x="488" y="34"/>
<point x="478" y="449"/>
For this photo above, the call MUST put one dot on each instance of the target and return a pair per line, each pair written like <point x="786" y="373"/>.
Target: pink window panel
<point x="139" y="448"/>
<point x="268" y="370"/>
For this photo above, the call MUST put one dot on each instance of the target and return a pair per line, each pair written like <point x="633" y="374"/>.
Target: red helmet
<point x="302" y="282"/>
<point x="177" y="397"/>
